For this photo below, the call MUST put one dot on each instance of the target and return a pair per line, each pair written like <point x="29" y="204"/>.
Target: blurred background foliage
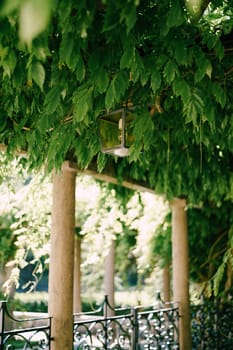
<point x="140" y="224"/>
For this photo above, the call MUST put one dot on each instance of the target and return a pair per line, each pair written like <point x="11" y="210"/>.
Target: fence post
<point x="50" y="333"/>
<point x="105" y="310"/>
<point x="135" y="332"/>
<point x="2" y="322"/>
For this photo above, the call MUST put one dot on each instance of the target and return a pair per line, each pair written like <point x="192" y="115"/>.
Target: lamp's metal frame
<point x="120" y="150"/>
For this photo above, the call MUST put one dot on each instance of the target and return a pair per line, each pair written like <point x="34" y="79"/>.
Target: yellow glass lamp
<point x="115" y="135"/>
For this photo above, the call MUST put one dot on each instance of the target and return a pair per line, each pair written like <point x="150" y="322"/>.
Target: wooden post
<point x="62" y="259"/>
<point x="109" y="274"/>
<point x="181" y="269"/>
<point x="77" y="274"/>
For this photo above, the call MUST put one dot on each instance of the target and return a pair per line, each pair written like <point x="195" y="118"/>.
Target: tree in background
<point x="7" y="252"/>
<point x="138" y="224"/>
<point x="104" y="213"/>
<point x="100" y="229"/>
<point x="145" y="212"/>
<point x="32" y="228"/>
<point x="161" y="250"/>
<point x="12" y="177"/>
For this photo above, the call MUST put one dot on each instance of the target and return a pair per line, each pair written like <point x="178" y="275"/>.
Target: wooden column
<point x="109" y="274"/>
<point x="181" y="269"/>
<point x="77" y="274"/>
<point x="62" y="259"/>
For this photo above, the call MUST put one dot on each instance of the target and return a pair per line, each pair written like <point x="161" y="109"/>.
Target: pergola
<point x="62" y="255"/>
<point x="171" y="59"/>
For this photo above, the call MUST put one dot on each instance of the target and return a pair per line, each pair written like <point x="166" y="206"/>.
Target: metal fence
<point x="212" y="325"/>
<point x="153" y="327"/>
<point x="23" y="334"/>
<point x="141" y="327"/>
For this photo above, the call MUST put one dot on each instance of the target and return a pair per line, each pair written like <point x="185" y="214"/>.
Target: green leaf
<point x="180" y="52"/>
<point x="175" y="16"/>
<point x="137" y="68"/>
<point x="80" y="68"/>
<point x="66" y="49"/>
<point x="64" y="13"/>
<point x="181" y="88"/>
<point x="82" y="103"/>
<point x="37" y="73"/>
<point x="110" y="97"/>
<point x="155" y="80"/>
<point x="219" y="49"/>
<point x="145" y="75"/>
<point x="204" y="68"/>
<point x="9" y="61"/>
<point x="170" y="71"/>
<point x="80" y="111"/>
<point x="94" y="61"/>
<point x="3" y="122"/>
<point x="127" y="57"/>
<point x="130" y="15"/>
<point x="12" y="60"/>
<point x="193" y="109"/>
<point x="209" y="114"/>
<point x="34" y="18"/>
<point x="101" y="161"/>
<point x="101" y="79"/>
<point x="52" y="99"/>
<point x="43" y="123"/>
<point x="219" y="93"/>
<point x="117" y="88"/>
<point x="218" y="277"/>
<point x="121" y="82"/>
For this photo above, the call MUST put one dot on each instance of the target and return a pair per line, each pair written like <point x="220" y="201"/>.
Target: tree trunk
<point x="77" y="274"/>
<point x="62" y="259"/>
<point x="181" y="269"/>
<point x="109" y="274"/>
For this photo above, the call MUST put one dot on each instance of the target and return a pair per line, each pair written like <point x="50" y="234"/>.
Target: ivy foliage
<point x="7" y="238"/>
<point x="210" y="247"/>
<point x="161" y="244"/>
<point x="12" y="176"/>
<point x="65" y="63"/>
<point x="211" y="251"/>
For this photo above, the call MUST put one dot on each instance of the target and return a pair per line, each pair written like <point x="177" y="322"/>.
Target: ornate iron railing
<point x="138" y="328"/>
<point x="20" y="334"/>
<point x="158" y="328"/>
<point x="212" y="325"/>
<point x="141" y="327"/>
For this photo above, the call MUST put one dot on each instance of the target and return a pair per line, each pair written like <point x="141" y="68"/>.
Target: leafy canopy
<point x="64" y="63"/>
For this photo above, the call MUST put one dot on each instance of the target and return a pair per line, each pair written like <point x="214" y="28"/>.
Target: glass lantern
<point x="115" y="135"/>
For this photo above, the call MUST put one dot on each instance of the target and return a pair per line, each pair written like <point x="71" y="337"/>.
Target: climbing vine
<point x="65" y="63"/>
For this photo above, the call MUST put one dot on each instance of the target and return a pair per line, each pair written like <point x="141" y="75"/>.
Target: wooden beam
<point x="109" y="175"/>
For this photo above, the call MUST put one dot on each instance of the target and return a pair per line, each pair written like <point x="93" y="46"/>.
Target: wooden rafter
<point x="109" y="175"/>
